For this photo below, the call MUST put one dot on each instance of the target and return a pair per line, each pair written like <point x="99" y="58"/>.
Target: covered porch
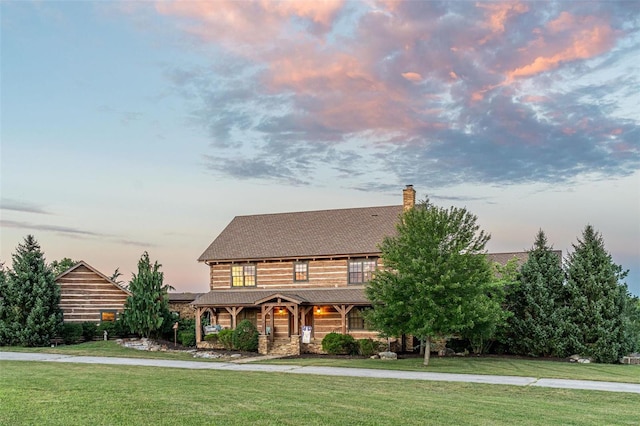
<point x="283" y="316"/>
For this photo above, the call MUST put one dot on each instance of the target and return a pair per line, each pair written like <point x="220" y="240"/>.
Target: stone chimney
<point x="408" y="197"/>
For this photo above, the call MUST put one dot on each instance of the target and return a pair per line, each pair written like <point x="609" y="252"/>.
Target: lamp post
<point x="175" y="334"/>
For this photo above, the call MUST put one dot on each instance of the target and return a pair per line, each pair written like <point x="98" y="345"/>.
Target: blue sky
<point x="133" y="126"/>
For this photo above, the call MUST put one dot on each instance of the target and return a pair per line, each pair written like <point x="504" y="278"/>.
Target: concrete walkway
<point x="329" y="371"/>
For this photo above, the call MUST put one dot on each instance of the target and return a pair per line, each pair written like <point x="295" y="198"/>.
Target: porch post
<point x="296" y="320"/>
<point x="343" y="310"/>
<point x="198" y="325"/>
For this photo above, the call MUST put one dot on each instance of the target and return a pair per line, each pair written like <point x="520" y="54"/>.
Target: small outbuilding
<point x="88" y="295"/>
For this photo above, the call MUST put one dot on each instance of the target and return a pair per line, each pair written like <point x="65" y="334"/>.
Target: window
<point x="361" y="271"/>
<point x="301" y="271"/>
<point x="108" y="316"/>
<point x="356" y="320"/>
<point x="243" y="276"/>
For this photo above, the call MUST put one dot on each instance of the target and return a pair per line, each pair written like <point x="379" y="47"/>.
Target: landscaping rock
<point x="632" y="359"/>
<point x="388" y="355"/>
<point x="580" y="360"/>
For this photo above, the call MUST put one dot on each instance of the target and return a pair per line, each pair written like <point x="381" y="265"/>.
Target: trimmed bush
<point x="211" y="338"/>
<point x="339" y="344"/>
<point x="225" y="337"/>
<point x="89" y="330"/>
<point x="245" y="337"/>
<point x="368" y="347"/>
<point x="71" y="333"/>
<point x="187" y="338"/>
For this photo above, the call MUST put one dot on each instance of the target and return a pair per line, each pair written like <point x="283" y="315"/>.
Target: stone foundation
<point x="315" y="347"/>
<point x="279" y="346"/>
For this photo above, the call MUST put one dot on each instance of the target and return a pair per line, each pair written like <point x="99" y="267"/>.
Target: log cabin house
<point x="297" y="276"/>
<point x="87" y="295"/>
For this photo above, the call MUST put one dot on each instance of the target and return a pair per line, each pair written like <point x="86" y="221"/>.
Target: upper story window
<point x="243" y="276"/>
<point x="301" y="271"/>
<point x="361" y="271"/>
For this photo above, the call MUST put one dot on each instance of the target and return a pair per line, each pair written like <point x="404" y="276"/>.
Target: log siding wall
<point x="324" y="323"/>
<point x="279" y="274"/>
<point x="83" y="294"/>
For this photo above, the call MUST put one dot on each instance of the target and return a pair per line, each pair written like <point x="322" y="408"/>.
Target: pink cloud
<point x="497" y="15"/>
<point x="412" y="76"/>
<point x="580" y="38"/>
<point x="248" y="22"/>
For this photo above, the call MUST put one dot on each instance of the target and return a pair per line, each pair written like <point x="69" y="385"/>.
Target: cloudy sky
<point x="133" y="126"/>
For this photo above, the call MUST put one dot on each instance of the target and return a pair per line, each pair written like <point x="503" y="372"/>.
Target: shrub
<point x="339" y="344"/>
<point x="186" y="324"/>
<point x="89" y="330"/>
<point x="211" y="338"/>
<point x="225" y="337"/>
<point x="71" y="333"/>
<point x="110" y="328"/>
<point x="368" y="347"/>
<point x="187" y="338"/>
<point x="245" y="336"/>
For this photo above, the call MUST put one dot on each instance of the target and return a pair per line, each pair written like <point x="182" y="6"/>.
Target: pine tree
<point x="147" y="309"/>
<point x="536" y="325"/>
<point x="596" y="301"/>
<point x="3" y="308"/>
<point x="31" y="312"/>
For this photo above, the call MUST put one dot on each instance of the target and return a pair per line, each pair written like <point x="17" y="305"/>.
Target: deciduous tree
<point x="436" y="279"/>
<point x="60" y="266"/>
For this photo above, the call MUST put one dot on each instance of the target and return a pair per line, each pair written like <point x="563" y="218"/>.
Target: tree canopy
<point x="60" y="266"/>
<point x="436" y="278"/>
<point x="29" y="311"/>
<point x="147" y="309"/>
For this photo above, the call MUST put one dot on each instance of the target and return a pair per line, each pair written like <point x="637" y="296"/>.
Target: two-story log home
<point x="290" y="271"/>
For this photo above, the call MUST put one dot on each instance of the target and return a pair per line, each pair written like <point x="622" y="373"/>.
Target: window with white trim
<point x="243" y="275"/>
<point x="300" y="271"/>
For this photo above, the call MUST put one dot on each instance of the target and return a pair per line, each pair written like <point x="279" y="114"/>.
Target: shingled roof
<point x="304" y="234"/>
<point x="353" y="295"/>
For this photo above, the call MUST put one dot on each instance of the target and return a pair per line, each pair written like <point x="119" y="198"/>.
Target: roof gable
<point x="304" y="234"/>
<point x="94" y="270"/>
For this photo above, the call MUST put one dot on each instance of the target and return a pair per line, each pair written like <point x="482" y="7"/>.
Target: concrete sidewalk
<point x="330" y="371"/>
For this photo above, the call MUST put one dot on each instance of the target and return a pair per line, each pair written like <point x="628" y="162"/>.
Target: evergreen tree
<point x="436" y="279"/>
<point x="30" y="314"/>
<point x="3" y="309"/>
<point x="537" y="322"/>
<point x="596" y="301"/>
<point x="147" y="309"/>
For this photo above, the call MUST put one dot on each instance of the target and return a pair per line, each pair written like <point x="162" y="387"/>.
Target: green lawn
<point x="468" y="365"/>
<point x="495" y="366"/>
<point x="65" y="394"/>
<point x="104" y="348"/>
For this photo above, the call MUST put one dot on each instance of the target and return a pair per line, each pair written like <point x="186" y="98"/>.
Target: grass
<point x="469" y="365"/>
<point x="63" y="394"/>
<point x="107" y="348"/>
<point x="500" y="366"/>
